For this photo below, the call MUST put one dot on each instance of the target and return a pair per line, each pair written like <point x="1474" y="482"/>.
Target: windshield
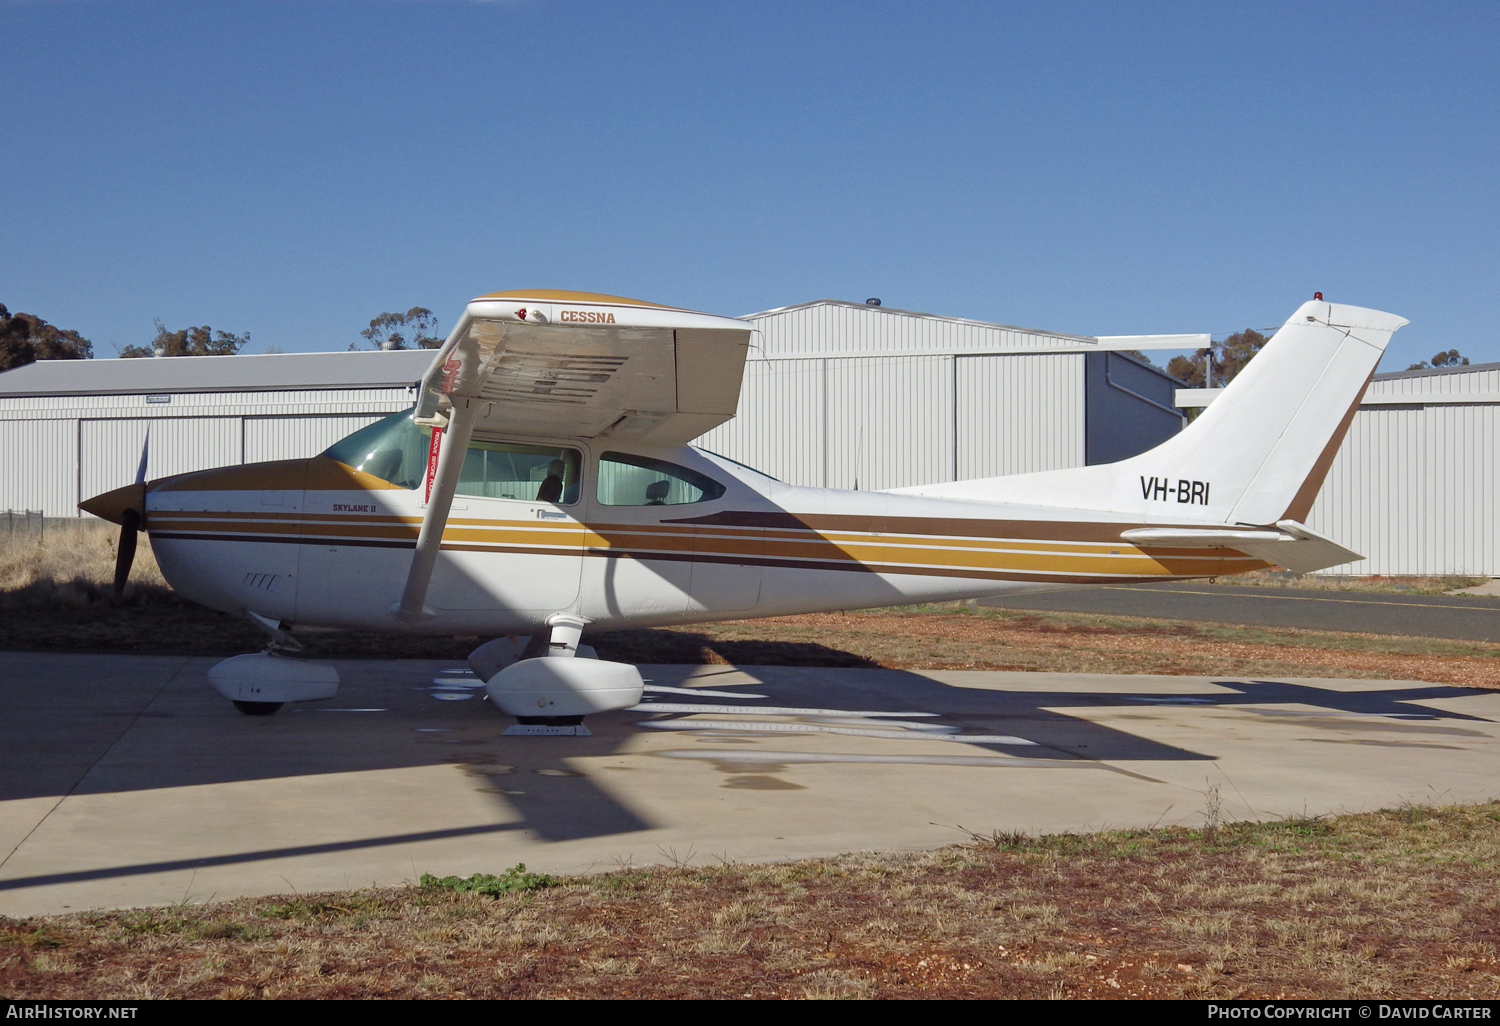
<point x="393" y="449"/>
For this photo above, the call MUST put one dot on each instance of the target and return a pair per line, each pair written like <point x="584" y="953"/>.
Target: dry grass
<point x="1391" y="904"/>
<point x="57" y="596"/>
<point x="933" y="638"/>
<point x="1334" y="582"/>
<point x="72" y="565"/>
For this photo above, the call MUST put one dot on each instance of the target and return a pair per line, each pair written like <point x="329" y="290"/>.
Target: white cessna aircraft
<point x="544" y="486"/>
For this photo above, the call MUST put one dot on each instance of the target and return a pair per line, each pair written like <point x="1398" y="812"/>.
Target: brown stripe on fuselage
<point x="1204" y="567"/>
<point x="801" y="543"/>
<point x="807" y="545"/>
<point x="1196" y="565"/>
<point x="1042" y="530"/>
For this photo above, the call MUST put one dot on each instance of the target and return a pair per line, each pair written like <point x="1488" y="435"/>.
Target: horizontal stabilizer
<point x="1293" y="545"/>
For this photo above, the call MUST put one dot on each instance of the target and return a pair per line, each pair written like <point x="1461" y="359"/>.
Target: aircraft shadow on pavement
<point x="170" y="730"/>
<point x="1045" y="718"/>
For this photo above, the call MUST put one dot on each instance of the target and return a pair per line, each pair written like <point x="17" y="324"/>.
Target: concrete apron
<point x="128" y="782"/>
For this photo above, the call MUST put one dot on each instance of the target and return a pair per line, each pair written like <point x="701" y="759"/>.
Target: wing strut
<point x="454" y="447"/>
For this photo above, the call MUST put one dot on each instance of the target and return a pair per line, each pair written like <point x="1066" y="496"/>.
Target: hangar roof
<point x="891" y="310"/>
<point x="1432" y="372"/>
<point x="264" y="373"/>
<point x="1475" y="384"/>
<point x="827" y="328"/>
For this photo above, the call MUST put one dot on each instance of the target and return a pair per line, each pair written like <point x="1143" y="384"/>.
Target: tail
<point x="1256" y="456"/>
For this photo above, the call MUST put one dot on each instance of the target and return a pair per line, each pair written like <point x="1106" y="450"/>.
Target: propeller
<point x="130" y="525"/>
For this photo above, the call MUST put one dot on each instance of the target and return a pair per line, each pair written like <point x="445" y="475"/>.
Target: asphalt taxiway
<point x="1466" y="617"/>
<point x="124" y="780"/>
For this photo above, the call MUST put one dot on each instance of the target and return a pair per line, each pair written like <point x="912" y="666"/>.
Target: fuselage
<point x="637" y="536"/>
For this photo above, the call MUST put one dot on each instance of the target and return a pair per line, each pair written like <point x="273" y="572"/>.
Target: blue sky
<point x="292" y="169"/>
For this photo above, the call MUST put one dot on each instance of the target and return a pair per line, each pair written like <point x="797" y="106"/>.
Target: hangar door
<point x="1018" y="413"/>
<point x="38" y="467"/>
<point x="110" y="450"/>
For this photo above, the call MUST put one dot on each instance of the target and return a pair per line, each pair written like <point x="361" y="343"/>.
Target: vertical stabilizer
<point x="1257" y="455"/>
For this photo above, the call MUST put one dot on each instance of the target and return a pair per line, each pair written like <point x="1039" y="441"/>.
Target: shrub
<point x="513" y="880"/>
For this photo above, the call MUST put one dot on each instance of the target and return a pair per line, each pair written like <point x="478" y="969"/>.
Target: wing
<point x="566" y="364"/>
<point x="581" y="365"/>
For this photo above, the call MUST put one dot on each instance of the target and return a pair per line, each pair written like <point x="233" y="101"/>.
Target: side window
<point x="534" y="473"/>
<point x="626" y="480"/>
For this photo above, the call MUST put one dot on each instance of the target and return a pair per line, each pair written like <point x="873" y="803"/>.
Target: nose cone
<point x="229" y="538"/>
<point x="113" y="505"/>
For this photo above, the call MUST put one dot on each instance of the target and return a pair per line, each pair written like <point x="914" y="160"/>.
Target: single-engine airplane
<point x="544" y="486"/>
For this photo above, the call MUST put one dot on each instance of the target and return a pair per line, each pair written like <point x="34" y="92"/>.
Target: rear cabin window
<point x="395" y="450"/>
<point x="626" y="480"/>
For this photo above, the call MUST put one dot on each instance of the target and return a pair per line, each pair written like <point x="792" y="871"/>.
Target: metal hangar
<point x="849" y="395"/>
<point x="75" y="428"/>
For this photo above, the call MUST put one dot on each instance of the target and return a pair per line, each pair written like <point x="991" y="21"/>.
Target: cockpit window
<point x="626" y="480"/>
<point x="395" y="450"/>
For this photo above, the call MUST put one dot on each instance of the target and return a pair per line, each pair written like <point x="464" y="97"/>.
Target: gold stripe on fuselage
<point x="940" y="555"/>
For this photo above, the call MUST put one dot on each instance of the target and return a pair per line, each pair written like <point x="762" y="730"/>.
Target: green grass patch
<point x="514" y="880"/>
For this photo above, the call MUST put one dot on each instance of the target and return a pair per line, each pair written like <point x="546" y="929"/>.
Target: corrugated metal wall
<point x="1415" y="489"/>
<point x="297" y="437"/>
<point x="888" y="422"/>
<point x="787" y="393"/>
<point x="1019" y="414"/>
<point x="840" y="395"/>
<point x="1447" y="382"/>
<point x="208" y="404"/>
<point x="57" y="450"/>
<point x="39" y="466"/>
<point x="110" y="450"/>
